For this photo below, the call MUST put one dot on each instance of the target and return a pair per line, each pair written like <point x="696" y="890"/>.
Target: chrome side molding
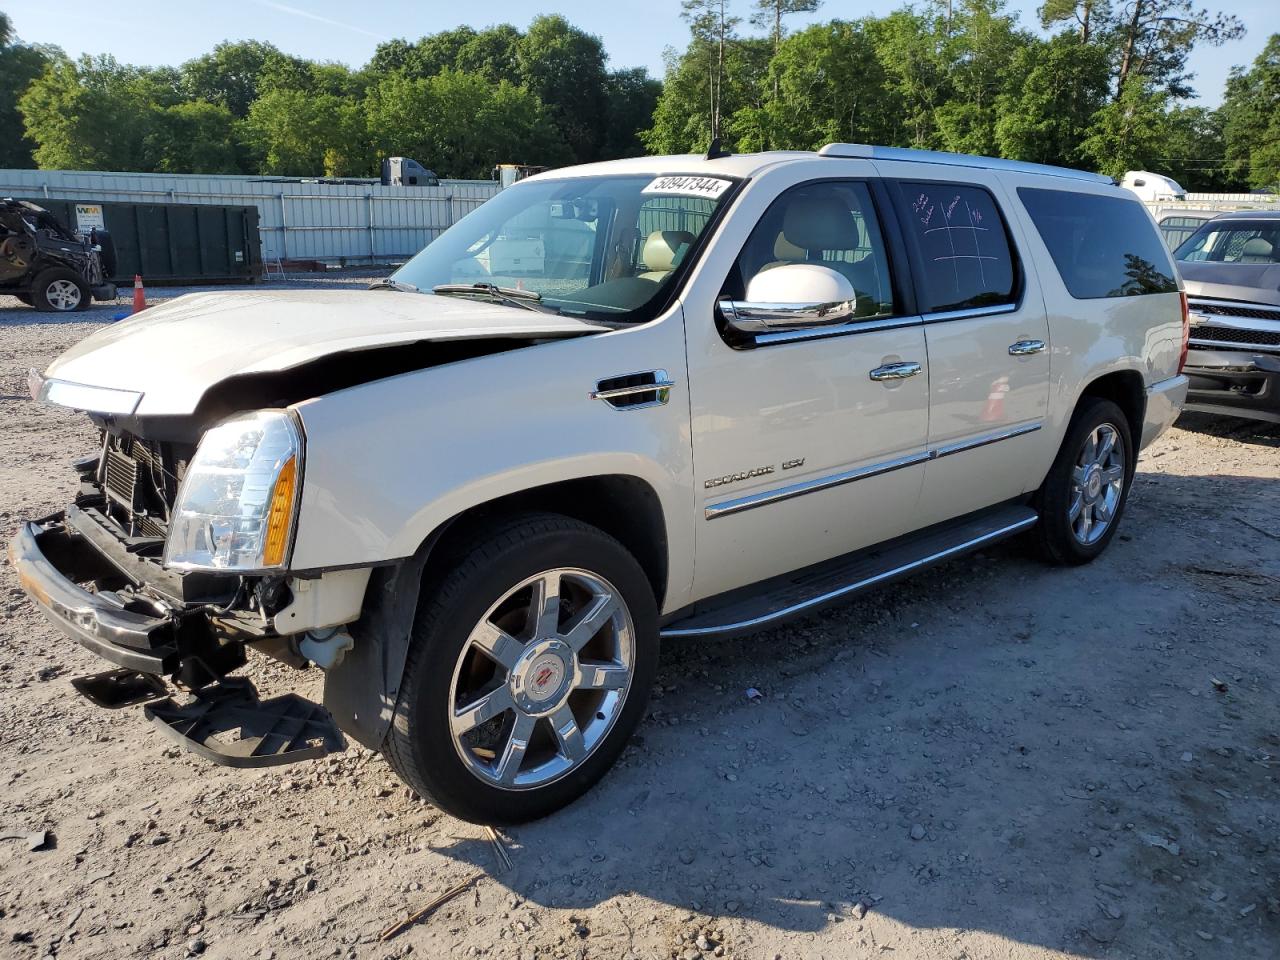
<point x="751" y="501"/>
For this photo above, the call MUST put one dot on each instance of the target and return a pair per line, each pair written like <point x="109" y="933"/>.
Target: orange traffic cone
<point x="139" y="295"/>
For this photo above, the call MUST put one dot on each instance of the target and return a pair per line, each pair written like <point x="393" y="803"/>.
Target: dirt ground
<point x="993" y="760"/>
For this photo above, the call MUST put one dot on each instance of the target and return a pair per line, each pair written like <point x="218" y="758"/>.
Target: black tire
<point x="46" y="279"/>
<point x="1054" y="536"/>
<point x="420" y="745"/>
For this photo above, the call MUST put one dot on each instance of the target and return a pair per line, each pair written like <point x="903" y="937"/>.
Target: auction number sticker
<point x="689" y="186"/>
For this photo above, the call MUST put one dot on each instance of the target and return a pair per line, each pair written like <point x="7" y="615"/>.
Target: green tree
<point x="94" y="114"/>
<point x="20" y="64"/>
<point x="564" y="68"/>
<point x="632" y="96"/>
<point x="460" y="124"/>
<point x="909" y="47"/>
<point x="1129" y="133"/>
<point x="1046" y="116"/>
<point x="769" y="14"/>
<point x="682" y="117"/>
<point x="981" y="49"/>
<point x="197" y="137"/>
<point x="299" y="132"/>
<point x="1194" y="148"/>
<point x="829" y="87"/>
<point x="228" y="76"/>
<point x="1087" y="15"/>
<point x="1251" y="120"/>
<point x="714" y="30"/>
<point x="1155" y="37"/>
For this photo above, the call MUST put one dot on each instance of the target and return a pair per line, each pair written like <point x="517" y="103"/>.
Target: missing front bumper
<point x="219" y="718"/>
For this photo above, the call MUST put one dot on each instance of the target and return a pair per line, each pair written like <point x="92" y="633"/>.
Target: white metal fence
<point x="298" y="220"/>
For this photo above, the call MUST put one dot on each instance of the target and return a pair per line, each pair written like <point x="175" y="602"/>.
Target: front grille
<point x="1258" y="338"/>
<point x="1231" y="310"/>
<point x="139" y="482"/>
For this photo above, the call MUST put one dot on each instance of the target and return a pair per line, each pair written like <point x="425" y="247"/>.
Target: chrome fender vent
<point x="634" y="391"/>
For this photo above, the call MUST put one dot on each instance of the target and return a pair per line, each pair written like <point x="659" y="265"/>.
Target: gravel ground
<point x="993" y="760"/>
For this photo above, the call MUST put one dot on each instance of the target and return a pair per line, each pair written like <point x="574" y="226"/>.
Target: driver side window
<point x="832" y="225"/>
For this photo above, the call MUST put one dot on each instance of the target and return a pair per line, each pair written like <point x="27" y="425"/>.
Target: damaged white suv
<point x="662" y="398"/>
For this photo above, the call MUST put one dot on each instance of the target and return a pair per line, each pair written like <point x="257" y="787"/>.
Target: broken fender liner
<point x="361" y="691"/>
<point x="228" y="724"/>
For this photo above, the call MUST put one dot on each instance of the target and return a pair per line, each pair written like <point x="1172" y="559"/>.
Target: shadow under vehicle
<point x="49" y="267"/>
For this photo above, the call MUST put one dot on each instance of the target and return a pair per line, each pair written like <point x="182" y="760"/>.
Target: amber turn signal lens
<point x="280" y="515"/>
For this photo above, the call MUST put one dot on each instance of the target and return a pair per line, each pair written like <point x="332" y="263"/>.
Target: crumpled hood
<point x="174" y="352"/>
<point x="1256" y="282"/>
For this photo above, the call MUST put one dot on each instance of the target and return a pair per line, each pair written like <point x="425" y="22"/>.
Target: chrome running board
<point x="773" y="601"/>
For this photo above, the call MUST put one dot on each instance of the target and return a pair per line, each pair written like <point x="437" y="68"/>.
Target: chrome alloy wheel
<point x="541" y="679"/>
<point x="62" y="295"/>
<point x="1097" y="483"/>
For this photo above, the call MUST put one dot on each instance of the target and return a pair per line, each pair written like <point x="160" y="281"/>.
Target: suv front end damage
<point x="172" y="629"/>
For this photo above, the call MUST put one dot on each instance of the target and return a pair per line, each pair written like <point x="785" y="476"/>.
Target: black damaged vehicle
<point x="49" y="267"/>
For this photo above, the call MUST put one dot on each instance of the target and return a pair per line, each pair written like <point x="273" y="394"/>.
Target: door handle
<point x="895" y="371"/>
<point x="1025" y="348"/>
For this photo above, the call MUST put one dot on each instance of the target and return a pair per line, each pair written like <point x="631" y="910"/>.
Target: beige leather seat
<point x="812" y="227"/>
<point x="1257" y="250"/>
<point x="663" y="250"/>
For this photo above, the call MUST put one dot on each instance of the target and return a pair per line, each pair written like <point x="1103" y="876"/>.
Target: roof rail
<point x="864" y="151"/>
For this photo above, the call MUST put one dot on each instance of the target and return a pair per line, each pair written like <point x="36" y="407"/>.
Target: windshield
<point x="600" y="247"/>
<point x="1238" y="241"/>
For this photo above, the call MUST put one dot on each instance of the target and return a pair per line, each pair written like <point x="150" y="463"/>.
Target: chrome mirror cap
<point x="752" y="318"/>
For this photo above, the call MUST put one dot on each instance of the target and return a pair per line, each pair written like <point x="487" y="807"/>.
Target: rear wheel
<point x="1083" y="496"/>
<point x="58" y="290"/>
<point x="529" y="668"/>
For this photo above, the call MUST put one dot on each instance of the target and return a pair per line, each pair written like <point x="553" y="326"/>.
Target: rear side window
<point x="1102" y="246"/>
<point x="962" y="246"/>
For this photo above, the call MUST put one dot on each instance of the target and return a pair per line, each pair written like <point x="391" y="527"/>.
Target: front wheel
<point x="57" y="290"/>
<point x="1083" y="496"/>
<point x="529" y="667"/>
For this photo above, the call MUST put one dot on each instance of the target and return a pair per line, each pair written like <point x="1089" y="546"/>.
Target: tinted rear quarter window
<point x="1102" y="246"/>
<point x="961" y="245"/>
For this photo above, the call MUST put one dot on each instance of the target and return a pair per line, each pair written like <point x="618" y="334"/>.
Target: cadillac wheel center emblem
<point x="547" y="675"/>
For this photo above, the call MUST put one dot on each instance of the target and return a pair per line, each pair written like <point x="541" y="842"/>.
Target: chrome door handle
<point x="1025" y="348"/>
<point x="895" y="371"/>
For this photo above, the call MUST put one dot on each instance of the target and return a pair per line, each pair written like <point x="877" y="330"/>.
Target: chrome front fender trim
<point x="728" y="507"/>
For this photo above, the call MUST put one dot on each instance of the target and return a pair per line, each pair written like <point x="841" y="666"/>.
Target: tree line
<point x="1105" y="87"/>
<point x="458" y="101"/>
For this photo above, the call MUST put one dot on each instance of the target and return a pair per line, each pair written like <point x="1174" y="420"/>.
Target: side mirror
<point x="792" y="297"/>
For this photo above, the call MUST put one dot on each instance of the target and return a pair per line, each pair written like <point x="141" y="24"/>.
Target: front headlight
<point x="236" y="505"/>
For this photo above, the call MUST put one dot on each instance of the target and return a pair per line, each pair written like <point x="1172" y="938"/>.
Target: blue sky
<point x="170" y="31"/>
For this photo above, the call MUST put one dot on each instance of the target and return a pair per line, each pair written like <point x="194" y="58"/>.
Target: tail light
<point x="1186" y="329"/>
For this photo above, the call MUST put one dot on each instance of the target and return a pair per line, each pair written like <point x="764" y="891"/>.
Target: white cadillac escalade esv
<point x="662" y="398"/>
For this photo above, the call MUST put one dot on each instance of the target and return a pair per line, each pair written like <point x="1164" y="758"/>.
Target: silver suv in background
<point x="1231" y="269"/>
